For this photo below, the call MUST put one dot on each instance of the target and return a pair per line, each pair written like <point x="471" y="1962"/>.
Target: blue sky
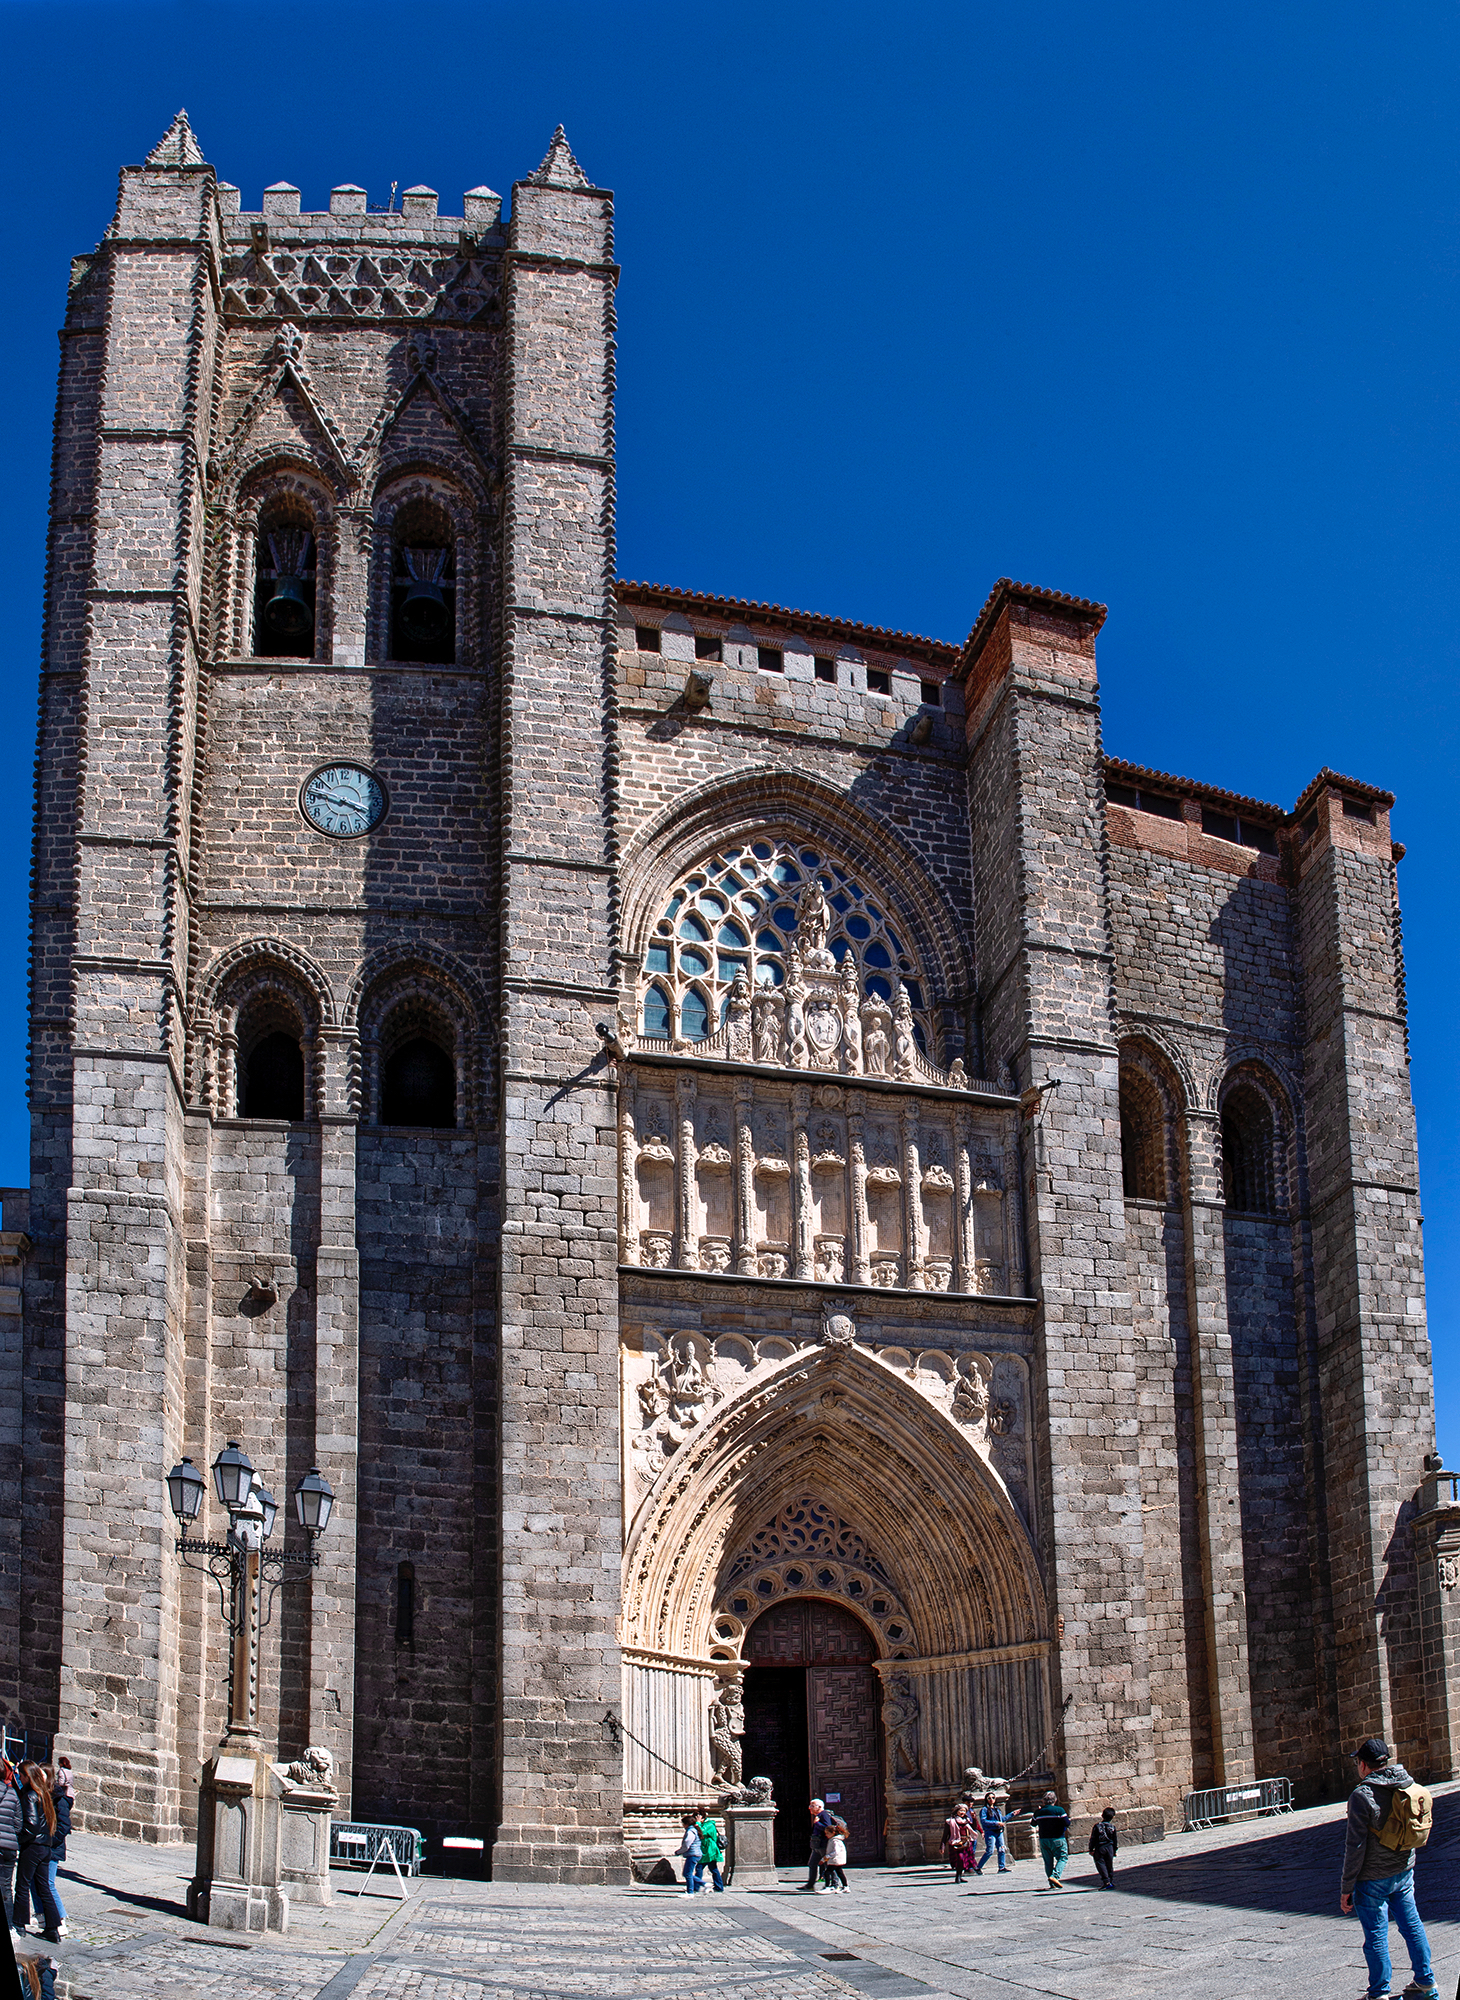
<point x="1155" y="305"/>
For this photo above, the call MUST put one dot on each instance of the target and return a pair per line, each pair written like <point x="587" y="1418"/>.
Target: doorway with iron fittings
<point x="813" y="1722"/>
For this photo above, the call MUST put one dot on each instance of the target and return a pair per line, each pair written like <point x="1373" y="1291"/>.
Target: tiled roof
<point x="1006" y="591"/>
<point x="1354" y="785"/>
<point x="1139" y="774"/>
<point x="664" y="597"/>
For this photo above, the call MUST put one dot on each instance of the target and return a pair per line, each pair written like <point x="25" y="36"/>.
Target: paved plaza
<point x="1196" y="1915"/>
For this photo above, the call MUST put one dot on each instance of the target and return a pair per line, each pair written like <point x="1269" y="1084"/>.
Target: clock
<point x="342" y="800"/>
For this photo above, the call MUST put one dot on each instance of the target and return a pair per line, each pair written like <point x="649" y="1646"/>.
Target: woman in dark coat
<point x="37" y="1831"/>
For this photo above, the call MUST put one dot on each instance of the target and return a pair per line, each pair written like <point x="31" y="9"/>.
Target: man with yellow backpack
<point x="1389" y="1818"/>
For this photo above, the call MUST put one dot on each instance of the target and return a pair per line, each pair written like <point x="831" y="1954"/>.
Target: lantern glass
<point x="314" y="1497"/>
<point x="270" y="1506"/>
<point x="185" y="1489"/>
<point x="232" y="1477"/>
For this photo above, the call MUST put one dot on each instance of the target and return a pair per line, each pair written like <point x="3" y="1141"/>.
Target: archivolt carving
<point x="391" y="999"/>
<point x="252" y="990"/>
<point x="808" y="1550"/>
<point x="1173" y="1064"/>
<point x="836" y="1424"/>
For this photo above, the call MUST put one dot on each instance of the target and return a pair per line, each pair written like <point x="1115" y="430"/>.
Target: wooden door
<point x="842" y="1696"/>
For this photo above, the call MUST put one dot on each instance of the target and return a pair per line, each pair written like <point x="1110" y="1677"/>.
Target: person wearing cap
<point x="1378" y="1881"/>
<point x="1052" y="1825"/>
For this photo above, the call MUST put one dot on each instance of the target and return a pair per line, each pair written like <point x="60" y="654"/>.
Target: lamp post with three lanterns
<point x="241" y="1878"/>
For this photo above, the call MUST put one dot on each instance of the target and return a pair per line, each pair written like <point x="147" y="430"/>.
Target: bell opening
<point x="284" y="601"/>
<point x="423" y="605"/>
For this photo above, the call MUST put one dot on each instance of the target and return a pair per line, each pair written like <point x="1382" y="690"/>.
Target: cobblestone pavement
<point x="1191" y="1916"/>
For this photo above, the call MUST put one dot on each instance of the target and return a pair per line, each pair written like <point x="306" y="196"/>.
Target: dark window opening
<point x="1249" y="1174"/>
<point x="1309" y="827"/>
<point x="1353" y="810"/>
<point x="709" y="646"/>
<point x="1241" y="832"/>
<point x="878" y="681"/>
<point x="930" y="693"/>
<point x="284" y="593"/>
<point x="405" y="1605"/>
<point x="1159" y="803"/>
<point x="824" y="669"/>
<point x="1142" y="1138"/>
<point x="419" y="1086"/>
<point x="274" y="1078"/>
<point x="770" y="659"/>
<point x="423" y="602"/>
<point x="648" y="639"/>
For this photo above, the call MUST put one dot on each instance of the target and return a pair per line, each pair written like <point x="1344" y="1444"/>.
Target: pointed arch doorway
<point x="813" y="1722"/>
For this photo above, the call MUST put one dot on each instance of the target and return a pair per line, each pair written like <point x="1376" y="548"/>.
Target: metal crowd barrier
<point x="1225" y="1802"/>
<point x="357" y="1842"/>
<point x="25" y="1745"/>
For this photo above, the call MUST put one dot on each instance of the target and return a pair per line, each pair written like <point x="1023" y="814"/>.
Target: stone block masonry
<point x="743" y="1129"/>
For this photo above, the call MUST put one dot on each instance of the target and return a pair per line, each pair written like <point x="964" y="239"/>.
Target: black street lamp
<point x="243" y="1562"/>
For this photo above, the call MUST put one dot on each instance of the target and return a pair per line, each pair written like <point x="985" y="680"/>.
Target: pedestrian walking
<point x="1104" y="1846"/>
<point x="691" y="1849"/>
<point x="959" y="1841"/>
<point x="711" y="1852"/>
<point x="834" y="1871"/>
<point x="1389" y="1817"/>
<point x="9" y="1837"/>
<point x="62" y="1793"/>
<point x="991" y="1826"/>
<point x="1052" y="1825"/>
<point x="37" y="1831"/>
<point x="820" y="1834"/>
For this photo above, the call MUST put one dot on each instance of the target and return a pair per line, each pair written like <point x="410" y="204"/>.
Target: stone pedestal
<point x="750" y="1834"/>
<point x="263" y="1840"/>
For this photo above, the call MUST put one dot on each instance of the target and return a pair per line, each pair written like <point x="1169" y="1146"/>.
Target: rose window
<point x="740" y="912"/>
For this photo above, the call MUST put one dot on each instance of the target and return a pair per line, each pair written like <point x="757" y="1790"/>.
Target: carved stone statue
<point x="902" y="1721"/>
<point x="813" y="921"/>
<point x="316" y="1769"/>
<point x="727" y="1726"/>
<point x="796" y="1051"/>
<point x="768" y="1028"/>
<point x="851" y="1018"/>
<point x="905" y="1051"/>
<point x="971" y="1393"/>
<point x="876" y="1041"/>
<point x="738" y="1017"/>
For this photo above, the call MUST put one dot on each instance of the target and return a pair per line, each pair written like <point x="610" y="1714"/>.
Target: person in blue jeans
<point x="692" y="1850"/>
<point x="991" y="1826"/>
<point x="1378" y="1881"/>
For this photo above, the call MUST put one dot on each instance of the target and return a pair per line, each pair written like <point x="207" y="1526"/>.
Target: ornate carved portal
<point x="812" y="1722"/>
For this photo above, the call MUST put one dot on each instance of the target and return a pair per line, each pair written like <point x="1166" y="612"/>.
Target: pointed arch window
<point x="423" y="585"/>
<point x="285" y="583"/>
<point x="739" y="912"/>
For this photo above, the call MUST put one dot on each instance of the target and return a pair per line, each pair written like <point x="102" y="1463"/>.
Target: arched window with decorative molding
<point x="423" y="584"/>
<point x="285" y="580"/>
<point x="417" y="1037"/>
<point x="741" y="912"/>
<point x="1250" y="1178"/>
<point x="1143" y="1165"/>
<point x="272" y="1070"/>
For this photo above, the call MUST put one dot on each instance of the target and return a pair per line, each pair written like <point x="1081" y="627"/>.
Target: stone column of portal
<point x="1373" y="1350"/>
<point x="336" y="1413"/>
<point x="561" y="1777"/>
<point x="1217" y="1483"/>
<point x="125" y="1268"/>
<point x="1436" y="1533"/>
<point x="1036" y="799"/>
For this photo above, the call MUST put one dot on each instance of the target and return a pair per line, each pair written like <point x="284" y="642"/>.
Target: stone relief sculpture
<point x="727" y="1726"/>
<point x="902" y="1724"/>
<point x="315" y="1769"/>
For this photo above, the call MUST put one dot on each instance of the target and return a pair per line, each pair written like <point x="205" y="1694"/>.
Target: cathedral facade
<point x="816" y="1223"/>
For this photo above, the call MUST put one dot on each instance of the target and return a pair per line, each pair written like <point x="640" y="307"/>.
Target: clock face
<point x="342" y="800"/>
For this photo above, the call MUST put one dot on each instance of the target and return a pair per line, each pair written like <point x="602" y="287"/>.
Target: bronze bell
<point x="287" y="614"/>
<point x="423" y="617"/>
